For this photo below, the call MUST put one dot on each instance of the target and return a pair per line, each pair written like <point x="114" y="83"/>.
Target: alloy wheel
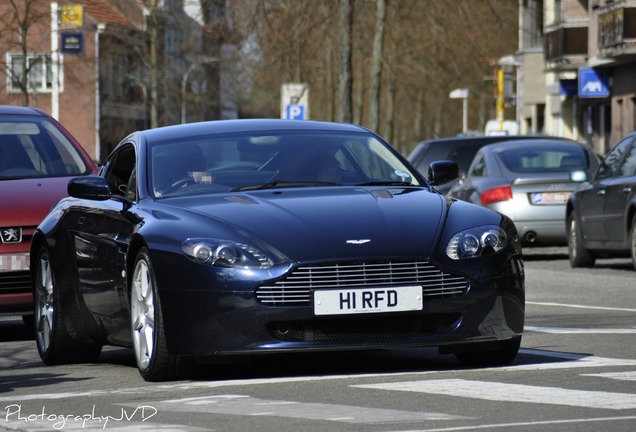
<point x="142" y="310"/>
<point x="44" y="303"/>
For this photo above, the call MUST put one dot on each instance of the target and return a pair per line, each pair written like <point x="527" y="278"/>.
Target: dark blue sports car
<point x="260" y="236"/>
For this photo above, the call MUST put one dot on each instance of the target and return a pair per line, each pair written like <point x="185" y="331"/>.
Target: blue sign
<point x="72" y="43"/>
<point x="295" y="112"/>
<point x="593" y="83"/>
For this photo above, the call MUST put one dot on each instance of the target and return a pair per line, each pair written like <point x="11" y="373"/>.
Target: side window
<point x="628" y="168"/>
<point x="464" y="154"/>
<point x="131" y="191"/>
<point x="119" y="170"/>
<point x="478" y="169"/>
<point x="609" y="166"/>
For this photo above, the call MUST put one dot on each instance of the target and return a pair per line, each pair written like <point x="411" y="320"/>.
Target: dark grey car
<point x="529" y="181"/>
<point x="601" y="213"/>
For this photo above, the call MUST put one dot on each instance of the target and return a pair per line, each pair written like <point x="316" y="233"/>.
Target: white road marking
<point x="503" y="392"/>
<point x="524" y="425"/>
<point x="566" y="330"/>
<point x="620" y="376"/>
<point x="247" y="405"/>
<point x="580" y="306"/>
<point x="567" y="361"/>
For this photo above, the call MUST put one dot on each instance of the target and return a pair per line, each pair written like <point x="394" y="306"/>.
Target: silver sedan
<point x="530" y="181"/>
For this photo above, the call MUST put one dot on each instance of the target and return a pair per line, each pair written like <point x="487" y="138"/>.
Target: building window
<point x="39" y="69"/>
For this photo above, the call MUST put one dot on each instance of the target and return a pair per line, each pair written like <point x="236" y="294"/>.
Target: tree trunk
<point x="346" y="80"/>
<point x="376" y="66"/>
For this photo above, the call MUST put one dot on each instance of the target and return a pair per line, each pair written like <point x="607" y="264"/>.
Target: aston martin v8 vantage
<point x="247" y="237"/>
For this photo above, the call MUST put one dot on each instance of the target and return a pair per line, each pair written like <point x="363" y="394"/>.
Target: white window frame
<point x="43" y="75"/>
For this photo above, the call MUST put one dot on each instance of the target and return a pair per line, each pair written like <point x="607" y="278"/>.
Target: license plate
<point x="367" y="300"/>
<point x="14" y="262"/>
<point x="547" y="198"/>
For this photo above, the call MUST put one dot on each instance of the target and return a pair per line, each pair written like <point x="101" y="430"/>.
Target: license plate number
<point x="370" y="300"/>
<point x="14" y="262"/>
<point x="547" y="198"/>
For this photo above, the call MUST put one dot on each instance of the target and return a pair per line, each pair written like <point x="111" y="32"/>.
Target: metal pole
<point x="55" y="64"/>
<point x="465" y="118"/>
<point x="184" y="81"/>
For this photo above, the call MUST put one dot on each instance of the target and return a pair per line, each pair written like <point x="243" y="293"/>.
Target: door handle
<point x="601" y="192"/>
<point x="627" y="190"/>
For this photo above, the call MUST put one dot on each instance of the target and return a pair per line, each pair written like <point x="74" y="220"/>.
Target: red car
<point x="38" y="157"/>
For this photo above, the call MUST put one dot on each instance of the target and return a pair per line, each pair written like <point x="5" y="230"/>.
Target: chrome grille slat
<point x="296" y="288"/>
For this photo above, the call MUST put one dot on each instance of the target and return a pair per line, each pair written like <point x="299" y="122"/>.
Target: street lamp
<point x="462" y="93"/>
<point x="184" y="81"/>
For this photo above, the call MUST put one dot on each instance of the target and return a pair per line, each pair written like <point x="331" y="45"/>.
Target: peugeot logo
<point x="11" y="235"/>
<point x="358" y="242"/>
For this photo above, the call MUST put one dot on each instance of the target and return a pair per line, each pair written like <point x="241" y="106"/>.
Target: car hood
<point x="325" y="223"/>
<point x="25" y="202"/>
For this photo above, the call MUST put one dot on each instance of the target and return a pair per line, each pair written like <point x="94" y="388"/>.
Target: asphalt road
<point x="576" y="372"/>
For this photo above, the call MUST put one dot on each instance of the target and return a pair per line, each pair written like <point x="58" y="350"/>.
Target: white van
<point x="507" y="127"/>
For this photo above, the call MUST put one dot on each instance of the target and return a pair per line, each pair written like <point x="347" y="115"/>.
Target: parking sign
<point x="295" y="112"/>
<point x="294" y="102"/>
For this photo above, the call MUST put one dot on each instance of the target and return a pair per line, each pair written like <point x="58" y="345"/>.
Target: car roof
<point x="246" y="125"/>
<point x="531" y="142"/>
<point x="480" y="138"/>
<point x="20" y="110"/>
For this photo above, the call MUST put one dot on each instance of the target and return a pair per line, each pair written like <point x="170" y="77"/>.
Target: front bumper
<point x="211" y="322"/>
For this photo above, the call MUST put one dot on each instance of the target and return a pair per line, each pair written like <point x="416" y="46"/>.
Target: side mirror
<point x="444" y="171"/>
<point x="578" y="176"/>
<point x="90" y="187"/>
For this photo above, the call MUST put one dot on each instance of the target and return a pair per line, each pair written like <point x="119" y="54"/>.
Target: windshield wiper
<point x="282" y="183"/>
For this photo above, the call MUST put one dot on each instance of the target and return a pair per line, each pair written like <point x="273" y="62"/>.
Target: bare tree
<point x="19" y="21"/>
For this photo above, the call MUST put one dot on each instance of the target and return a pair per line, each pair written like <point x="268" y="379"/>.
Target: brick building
<point x="576" y="70"/>
<point x="105" y="68"/>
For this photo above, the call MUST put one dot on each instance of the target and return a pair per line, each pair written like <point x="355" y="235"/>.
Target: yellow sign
<point x="72" y="16"/>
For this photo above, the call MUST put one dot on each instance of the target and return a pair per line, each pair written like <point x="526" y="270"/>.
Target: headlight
<point x="476" y="242"/>
<point x="225" y="253"/>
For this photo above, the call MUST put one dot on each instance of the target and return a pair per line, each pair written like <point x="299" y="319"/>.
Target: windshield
<point x="249" y="162"/>
<point x="34" y="147"/>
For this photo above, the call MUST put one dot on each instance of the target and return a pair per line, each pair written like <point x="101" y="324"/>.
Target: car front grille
<point x="296" y="289"/>
<point x="15" y="282"/>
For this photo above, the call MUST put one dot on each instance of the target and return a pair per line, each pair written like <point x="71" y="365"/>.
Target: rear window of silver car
<point x="541" y="159"/>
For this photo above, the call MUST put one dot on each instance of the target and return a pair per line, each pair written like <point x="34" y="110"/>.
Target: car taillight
<point x="501" y="193"/>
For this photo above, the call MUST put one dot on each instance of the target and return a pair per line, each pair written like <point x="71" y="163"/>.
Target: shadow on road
<point x="14" y="329"/>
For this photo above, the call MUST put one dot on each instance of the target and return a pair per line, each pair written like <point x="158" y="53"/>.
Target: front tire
<point x="577" y="254"/>
<point x="154" y="361"/>
<point x="55" y="345"/>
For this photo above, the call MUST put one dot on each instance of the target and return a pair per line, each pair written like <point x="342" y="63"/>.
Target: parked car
<point x="262" y="236"/>
<point x="37" y="158"/>
<point x="601" y="213"/>
<point x="530" y="181"/>
<point x="461" y="149"/>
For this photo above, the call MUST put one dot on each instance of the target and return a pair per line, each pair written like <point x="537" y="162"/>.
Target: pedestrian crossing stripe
<point x="251" y="406"/>
<point x="504" y="392"/>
